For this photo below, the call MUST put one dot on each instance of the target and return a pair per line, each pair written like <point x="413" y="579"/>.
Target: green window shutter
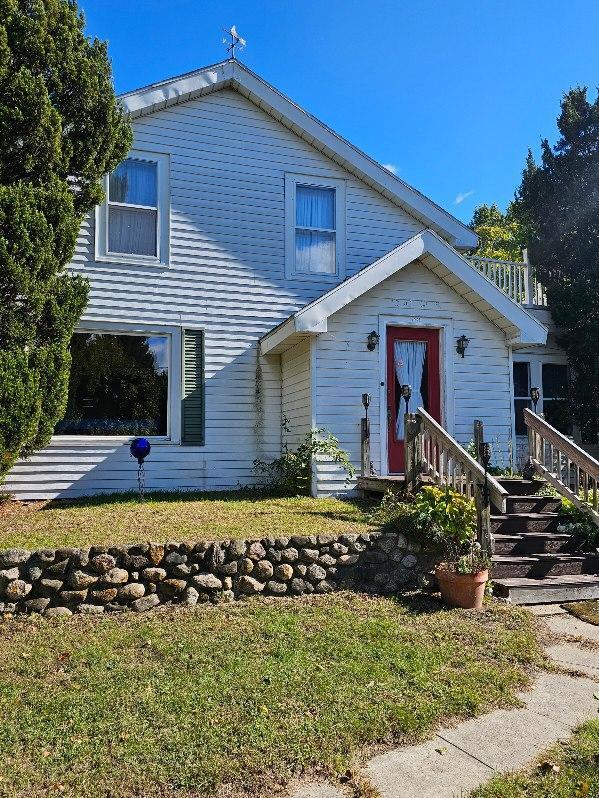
<point x="192" y="402"/>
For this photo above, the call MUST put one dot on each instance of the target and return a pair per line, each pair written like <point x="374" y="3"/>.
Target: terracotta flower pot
<point x="462" y="590"/>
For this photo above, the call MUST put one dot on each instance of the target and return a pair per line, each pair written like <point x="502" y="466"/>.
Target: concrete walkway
<point x="461" y="758"/>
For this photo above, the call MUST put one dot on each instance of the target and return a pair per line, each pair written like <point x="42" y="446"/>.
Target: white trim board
<point x="234" y="75"/>
<point x="518" y="325"/>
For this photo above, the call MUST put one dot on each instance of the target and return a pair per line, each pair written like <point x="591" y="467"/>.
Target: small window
<point x="315" y="230"/>
<point x="521" y="395"/>
<point x="133" y="223"/>
<point x="315" y="227"/>
<point x="118" y="385"/>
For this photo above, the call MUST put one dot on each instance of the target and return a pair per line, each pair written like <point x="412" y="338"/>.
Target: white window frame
<point x="291" y="183"/>
<point x="173" y="412"/>
<point x="103" y="253"/>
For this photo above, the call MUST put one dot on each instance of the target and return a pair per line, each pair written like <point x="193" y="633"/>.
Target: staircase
<point x="533" y="562"/>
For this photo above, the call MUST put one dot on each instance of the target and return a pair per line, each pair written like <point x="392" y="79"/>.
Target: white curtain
<point x="314" y="215"/>
<point x="409" y="357"/>
<point x="131" y="231"/>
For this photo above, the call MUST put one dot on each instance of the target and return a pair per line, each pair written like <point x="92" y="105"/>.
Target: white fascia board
<point x="237" y="76"/>
<point x="270" y="342"/>
<point x="310" y="318"/>
<point x="531" y="330"/>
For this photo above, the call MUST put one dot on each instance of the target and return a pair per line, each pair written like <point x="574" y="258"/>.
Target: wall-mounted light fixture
<point x="535" y="395"/>
<point x="462" y="345"/>
<point x="372" y="340"/>
<point x="366" y="402"/>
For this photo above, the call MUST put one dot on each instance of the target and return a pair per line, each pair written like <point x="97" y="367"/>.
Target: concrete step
<point x="533" y="504"/>
<point x="550" y="590"/>
<point x="521" y="487"/>
<point x="538" y="566"/>
<point x="533" y="543"/>
<point x="511" y="523"/>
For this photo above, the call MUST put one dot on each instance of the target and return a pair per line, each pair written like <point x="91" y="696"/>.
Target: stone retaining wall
<point x="140" y="577"/>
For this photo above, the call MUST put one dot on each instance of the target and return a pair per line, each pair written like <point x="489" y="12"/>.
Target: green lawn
<point x="568" y="770"/>
<point x="120" y="518"/>
<point x="180" y="702"/>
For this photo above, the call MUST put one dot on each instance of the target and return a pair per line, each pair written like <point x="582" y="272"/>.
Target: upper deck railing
<point x="517" y="280"/>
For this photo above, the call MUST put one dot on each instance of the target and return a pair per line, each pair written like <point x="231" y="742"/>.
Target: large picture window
<point x="118" y="385"/>
<point x="133" y="223"/>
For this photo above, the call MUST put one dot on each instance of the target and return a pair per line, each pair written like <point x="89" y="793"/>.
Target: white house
<point x="244" y="255"/>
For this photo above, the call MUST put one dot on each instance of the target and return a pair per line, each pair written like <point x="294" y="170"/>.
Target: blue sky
<point x="451" y="93"/>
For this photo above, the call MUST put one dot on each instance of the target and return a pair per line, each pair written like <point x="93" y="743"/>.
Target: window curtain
<point x="132" y="231"/>
<point x="409" y="357"/>
<point x="314" y="213"/>
<point x="134" y="182"/>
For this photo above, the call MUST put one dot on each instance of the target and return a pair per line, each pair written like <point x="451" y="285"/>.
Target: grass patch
<point x="568" y="770"/>
<point x="120" y="518"/>
<point x="180" y="702"/>
<point x="585" y="610"/>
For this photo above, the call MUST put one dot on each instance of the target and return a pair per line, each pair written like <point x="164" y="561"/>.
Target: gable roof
<point x="232" y="74"/>
<point x="519" y="326"/>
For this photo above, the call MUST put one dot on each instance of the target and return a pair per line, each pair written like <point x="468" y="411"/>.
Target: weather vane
<point x="236" y="41"/>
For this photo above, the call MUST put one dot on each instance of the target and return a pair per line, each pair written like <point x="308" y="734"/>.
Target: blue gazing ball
<point x="140" y="449"/>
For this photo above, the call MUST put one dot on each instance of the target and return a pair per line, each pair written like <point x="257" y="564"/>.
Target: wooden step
<point x="521" y="487"/>
<point x="538" y="566"/>
<point x="533" y="543"/>
<point x="511" y="523"/>
<point x="550" y="590"/>
<point x="533" y="504"/>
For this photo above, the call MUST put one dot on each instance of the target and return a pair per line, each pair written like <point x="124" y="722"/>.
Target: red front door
<point x="412" y="359"/>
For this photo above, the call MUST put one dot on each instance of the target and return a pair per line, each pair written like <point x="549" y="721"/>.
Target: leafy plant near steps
<point x="291" y="474"/>
<point x="580" y="526"/>
<point x="442" y="519"/>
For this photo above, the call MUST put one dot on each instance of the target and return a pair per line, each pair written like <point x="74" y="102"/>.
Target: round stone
<point x="133" y="591"/>
<point x="145" y="603"/>
<point x="190" y="597"/>
<point x="278" y="588"/>
<point x="207" y="582"/>
<point x="80" y="579"/>
<point x="409" y="561"/>
<point x="102" y="563"/>
<point x="105" y="595"/>
<point x="284" y="572"/>
<point x="56" y="612"/>
<point x="153" y="574"/>
<point x="174" y="558"/>
<point x="256" y="551"/>
<point x="310" y="555"/>
<point x="17" y="589"/>
<point x="290" y="554"/>
<point x="316" y="573"/>
<point x="90" y="609"/>
<point x="12" y="557"/>
<point x="263" y="570"/>
<point x="116" y="576"/>
<point x="249" y="586"/>
<point x="246" y="566"/>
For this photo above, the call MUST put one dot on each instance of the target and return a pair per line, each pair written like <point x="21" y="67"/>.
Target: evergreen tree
<point x="500" y="235"/>
<point x="61" y="130"/>
<point x="558" y="201"/>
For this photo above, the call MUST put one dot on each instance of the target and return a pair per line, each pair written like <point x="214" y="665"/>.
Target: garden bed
<point x="243" y="696"/>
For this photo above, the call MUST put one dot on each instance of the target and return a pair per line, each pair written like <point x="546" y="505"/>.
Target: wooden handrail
<point x="462" y="458"/>
<point x="563" y="464"/>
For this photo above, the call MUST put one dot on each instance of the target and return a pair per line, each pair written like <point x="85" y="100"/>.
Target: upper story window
<point x="133" y="224"/>
<point x="315" y="219"/>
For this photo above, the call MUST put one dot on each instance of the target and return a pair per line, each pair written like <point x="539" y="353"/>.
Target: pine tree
<point x="61" y="130"/>
<point x="558" y="200"/>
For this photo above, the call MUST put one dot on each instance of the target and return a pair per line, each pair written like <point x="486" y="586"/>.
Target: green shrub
<point x="291" y="474"/>
<point x="442" y="520"/>
<point x="580" y="526"/>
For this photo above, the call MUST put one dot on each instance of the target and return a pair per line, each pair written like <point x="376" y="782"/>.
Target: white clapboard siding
<point x="345" y="369"/>
<point x="295" y="394"/>
<point x="226" y="276"/>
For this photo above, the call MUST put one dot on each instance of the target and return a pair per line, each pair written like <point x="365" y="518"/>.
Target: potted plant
<point x="462" y="581"/>
<point x="448" y="520"/>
